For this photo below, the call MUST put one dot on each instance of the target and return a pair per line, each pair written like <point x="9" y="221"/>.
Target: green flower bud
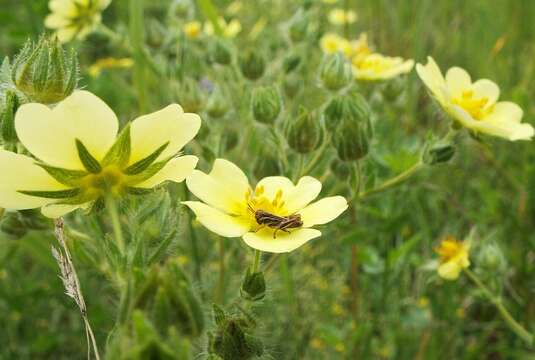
<point x="394" y="88"/>
<point x="221" y="52"/>
<point x="490" y="259"/>
<point x="305" y="133"/>
<point x="181" y="8"/>
<point x="156" y="33"/>
<point x="335" y="72"/>
<point x="266" y="104"/>
<point x="352" y="132"/>
<point x="7" y="117"/>
<point x="438" y="153"/>
<point x="292" y="85"/>
<point x="267" y="165"/>
<point x="340" y="169"/>
<point x="44" y="72"/>
<point x="347" y="106"/>
<point x="291" y="62"/>
<point x="298" y="26"/>
<point x="253" y="287"/>
<point x="231" y="139"/>
<point x="12" y="225"/>
<point x="190" y="96"/>
<point x="217" y="105"/>
<point x="252" y="64"/>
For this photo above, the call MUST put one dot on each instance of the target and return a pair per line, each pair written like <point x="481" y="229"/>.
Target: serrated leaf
<point x="90" y="163"/>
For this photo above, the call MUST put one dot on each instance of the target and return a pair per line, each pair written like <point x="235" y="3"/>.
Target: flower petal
<point x="457" y="80"/>
<point x="175" y="170"/>
<point x="66" y="34"/>
<point x="306" y="190"/>
<point x="506" y="110"/>
<point x="488" y="89"/>
<point x="169" y="125"/>
<point x="55" y="21"/>
<point x="217" y="221"/>
<point x="432" y="77"/>
<point x="55" y="211"/>
<point x="323" y="211"/>
<point x="284" y="242"/>
<point x="449" y="270"/>
<point x="224" y="187"/>
<point x="50" y="134"/>
<point x="19" y="172"/>
<point x="272" y="184"/>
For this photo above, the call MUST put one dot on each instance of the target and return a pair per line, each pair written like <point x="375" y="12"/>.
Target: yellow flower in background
<point x="74" y="18"/>
<point x="342" y="17"/>
<point x="192" y="29"/>
<point x="375" y="67"/>
<point x="81" y="159"/>
<point x="453" y="257"/>
<point x="474" y="104"/>
<point x="230" y="29"/>
<point x="332" y="43"/>
<point x="234" y="8"/>
<point x="109" y="63"/>
<point x="359" y="48"/>
<point x="231" y="208"/>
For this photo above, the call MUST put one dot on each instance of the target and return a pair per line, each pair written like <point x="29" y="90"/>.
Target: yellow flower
<point x="192" y="29"/>
<point x="341" y="16"/>
<point x="474" y="104"/>
<point x="453" y="257"/>
<point x="375" y="67"/>
<point x="230" y="29"/>
<point x="229" y="206"/>
<point x="81" y="159"/>
<point x="359" y="48"/>
<point x="332" y="43"/>
<point x="74" y="18"/>
<point x="109" y="63"/>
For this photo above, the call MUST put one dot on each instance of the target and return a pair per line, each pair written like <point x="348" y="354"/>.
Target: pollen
<point x="476" y="107"/>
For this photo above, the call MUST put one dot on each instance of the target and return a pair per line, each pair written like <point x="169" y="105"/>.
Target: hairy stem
<point x="113" y="211"/>
<point x="256" y="263"/>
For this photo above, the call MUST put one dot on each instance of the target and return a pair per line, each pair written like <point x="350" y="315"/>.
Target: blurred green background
<point x="401" y="311"/>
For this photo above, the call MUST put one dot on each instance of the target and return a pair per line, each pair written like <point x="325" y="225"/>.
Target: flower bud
<point x="352" y="132"/>
<point x="266" y="104"/>
<point x="253" y="287"/>
<point x="231" y="139"/>
<point x="292" y="85"/>
<point x="393" y="89"/>
<point x="490" y="259"/>
<point x="291" y="62"/>
<point x="190" y="96"/>
<point x="438" y="153"/>
<point x="304" y="134"/>
<point x="348" y="106"/>
<point x="252" y="64"/>
<point x="44" y="72"/>
<point x="267" y="165"/>
<point x="217" y="104"/>
<point x="181" y="8"/>
<point x="340" y="169"/>
<point x="335" y="72"/>
<point x="12" y="226"/>
<point x="221" y="51"/>
<point x="7" y="117"/>
<point x="298" y="26"/>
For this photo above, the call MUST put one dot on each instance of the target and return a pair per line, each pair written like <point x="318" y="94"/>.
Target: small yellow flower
<point x="376" y="67"/>
<point x="340" y="347"/>
<point x="229" y="206"/>
<point x="81" y="159"/>
<point x="317" y="343"/>
<point x="341" y="16"/>
<point x="474" y="104"/>
<point x="74" y="18"/>
<point x="234" y="8"/>
<point x="359" y="48"/>
<point x="192" y="29"/>
<point x="453" y="257"/>
<point x="109" y="63"/>
<point x="230" y="29"/>
<point x="332" y="43"/>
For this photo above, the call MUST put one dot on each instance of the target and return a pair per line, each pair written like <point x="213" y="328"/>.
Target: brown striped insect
<point x="279" y="223"/>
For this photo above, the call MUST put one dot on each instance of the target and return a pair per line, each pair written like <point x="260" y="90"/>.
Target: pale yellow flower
<point x="192" y="29"/>
<point x="74" y="18"/>
<point x="230" y="29"/>
<point x="375" y="67"/>
<point x="341" y="16"/>
<point x="474" y="104"/>
<point x="332" y="43"/>
<point x="359" y="48"/>
<point x="109" y="63"/>
<point x="453" y="257"/>
<point x="81" y="159"/>
<point x="229" y="206"/>
<point x="234" y="8"/>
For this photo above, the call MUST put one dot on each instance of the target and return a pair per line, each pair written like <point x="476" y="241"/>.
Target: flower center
<point x="108" y="180"/>
<point x="373" y="63"/>
<point x="257" y="200"/>
<point x="476" y="107"/>
<point x="449" y="249"/>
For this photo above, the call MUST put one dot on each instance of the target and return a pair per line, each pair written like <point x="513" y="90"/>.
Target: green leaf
<point x="64" y="176"/>
<point x="90" y="163"/>
<point x="60" y="194"/>
<point x="143" y="164"/>
<point x="137" y="191"/>
<point x="120" y="151"/>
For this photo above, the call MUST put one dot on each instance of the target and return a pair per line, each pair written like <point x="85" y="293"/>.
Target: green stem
<point x="137" y="39"/>
<point x="288" y="281"/>
<point x="396" y="180"/>
<point x="506" y="315"/>
<point x="317" y="157"/>
<point x="220" y="294"/>
<point x="113" y="211"/>
<point x="256" y="263"/>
